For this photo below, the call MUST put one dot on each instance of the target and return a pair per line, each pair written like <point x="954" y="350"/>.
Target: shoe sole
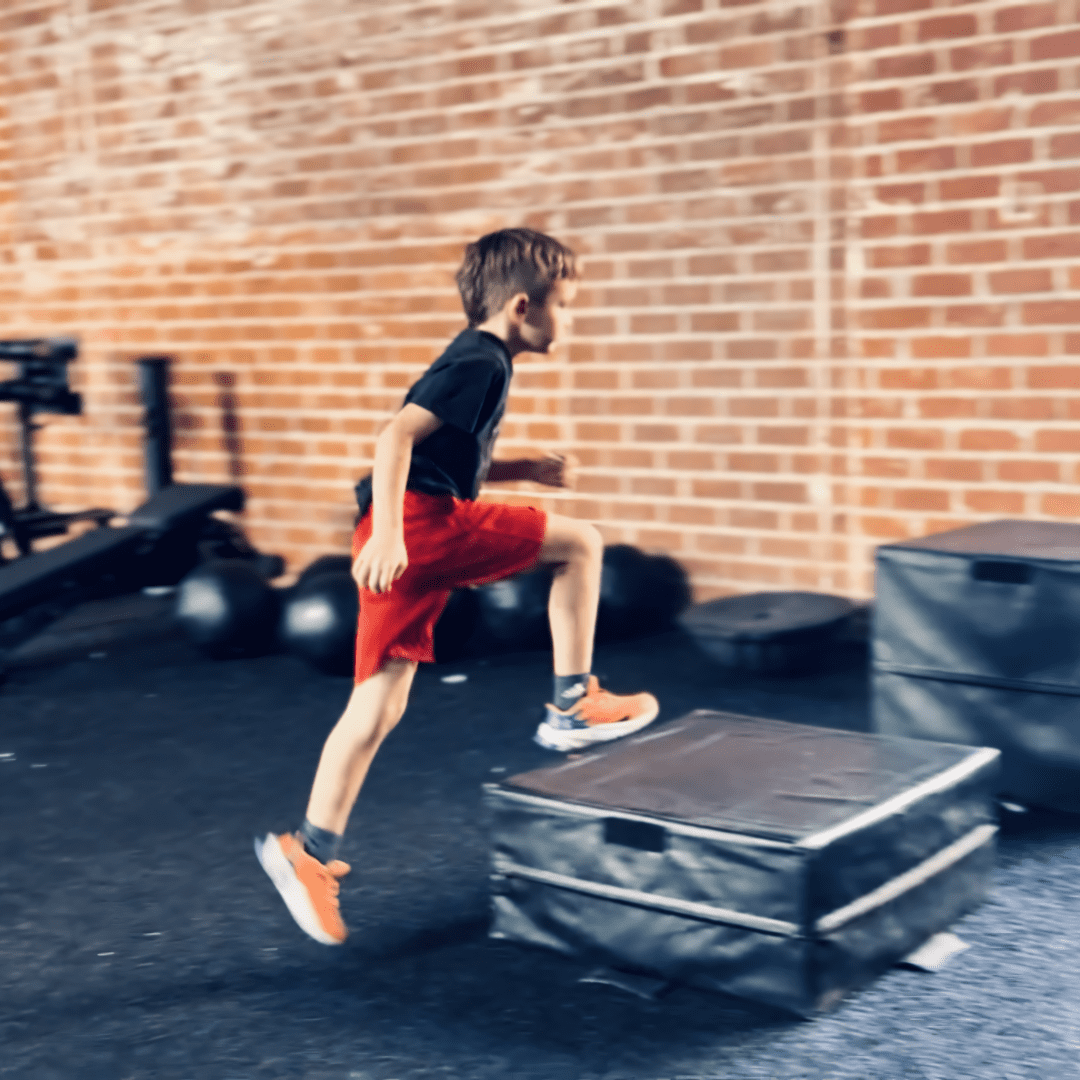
<point x="282" y="873"/>
<point x="567" y="739"/>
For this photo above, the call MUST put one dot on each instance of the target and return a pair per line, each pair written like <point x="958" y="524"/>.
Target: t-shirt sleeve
<point x="456" y="393"/>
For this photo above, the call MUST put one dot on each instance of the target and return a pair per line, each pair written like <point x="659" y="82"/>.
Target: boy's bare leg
<point x="582" y="713"/>
<point x="374" y="709"/>
<point x="575" y="551"/>
<point x="308" y="879"/>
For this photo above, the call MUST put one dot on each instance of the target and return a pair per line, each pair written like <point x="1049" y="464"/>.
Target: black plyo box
<point x="778" y="862"/>
<point x="976" y="639"/>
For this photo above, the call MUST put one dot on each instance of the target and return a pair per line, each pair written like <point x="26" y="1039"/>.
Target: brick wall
<point x="830" y="290"/>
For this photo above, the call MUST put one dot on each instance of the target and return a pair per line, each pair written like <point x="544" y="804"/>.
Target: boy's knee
<point x="594" y="543"/>
<point x="588" y="545"/>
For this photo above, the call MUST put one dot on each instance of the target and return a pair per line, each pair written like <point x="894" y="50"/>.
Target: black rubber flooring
<point x="140" y="939"/>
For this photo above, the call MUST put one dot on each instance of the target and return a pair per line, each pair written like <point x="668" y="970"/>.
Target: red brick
<point x="995" y="502"/>
<point x="955" y="91"/>
<point x="1060" y="377"/>
<point x="988" y="440"/>
<point x="907" y="255"/>
<point x="1060" y="505"/>
<point x="1021" y="281"/>
<point x="1065" y="146"/>
<point x="1024" y="17"/>
<point x="1061" y="246"/>
<point x="1051" y="311"/>
<point x="898" y="318"/>
<point x="907" y="129"/>
<point x="1017" y="345"/>
<point x="988" y="54"/>
<point x="936" y="348"/>
<point x="921" y="499"/>
<point x="947" y="26"/>
<point x="975" y="251"/>
<point x="928" y="159"/>
<point x="1055" y="46"/>
<point x="1028" y="472"/>
<point x="914" y="438"/>
<point x="941" y="285"/>
<point x="954" y="469"/>
<point x="1039" y="81"/>
<point x="970" y="187"/>
<point x="1003" y="152"/>
<point x="904" y="66"/>
<point x="975" y="315"/>
<point x="941" y="221"/>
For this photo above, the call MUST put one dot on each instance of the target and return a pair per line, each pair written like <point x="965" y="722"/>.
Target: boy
<point x="422" y="534"/>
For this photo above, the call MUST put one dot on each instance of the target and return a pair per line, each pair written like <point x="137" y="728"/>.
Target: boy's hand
<point x="555" y="470"/>
<point x="380" y="563"/>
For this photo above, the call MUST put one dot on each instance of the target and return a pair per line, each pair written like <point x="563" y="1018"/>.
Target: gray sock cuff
<point x="569" y="689"/>
<point x="321" y="844"/>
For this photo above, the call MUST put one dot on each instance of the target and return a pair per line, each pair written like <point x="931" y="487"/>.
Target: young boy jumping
<point x="422" y="534"/>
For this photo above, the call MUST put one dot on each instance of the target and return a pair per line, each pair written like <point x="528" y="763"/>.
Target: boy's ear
<point x="517" y="306"/>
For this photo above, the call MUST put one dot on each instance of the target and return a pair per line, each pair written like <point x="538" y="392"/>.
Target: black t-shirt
<point x="466" y="388"/>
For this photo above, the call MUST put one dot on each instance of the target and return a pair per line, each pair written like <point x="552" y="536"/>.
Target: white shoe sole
<point x="283" y="875"/>
<point x="567" y="739"/>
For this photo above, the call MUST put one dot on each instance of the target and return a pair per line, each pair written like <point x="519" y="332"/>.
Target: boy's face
<point x="545" y="324"/>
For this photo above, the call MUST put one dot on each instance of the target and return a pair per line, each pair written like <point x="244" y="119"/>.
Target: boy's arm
<point x="382" y="560"/>
<point x="552" y="470"/>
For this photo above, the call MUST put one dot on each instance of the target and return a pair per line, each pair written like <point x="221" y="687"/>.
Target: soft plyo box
<point x="975" y="641"/>
<point x="775" y="861"/>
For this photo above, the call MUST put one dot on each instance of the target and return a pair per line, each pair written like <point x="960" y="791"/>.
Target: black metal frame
<point x="40" y="386"/>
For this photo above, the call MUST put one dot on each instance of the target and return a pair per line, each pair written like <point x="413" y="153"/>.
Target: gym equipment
<point x="113" y="560"/>
<point x="41" y="385"/>
<point x="639" y="593"/>
<point x="228" y="609"/>
<point x="162" y="540"/>
<point x="975" y="637"/>
<point x="318" y="622"/>
<point x="775" y="861"/>
<point x="769" y="633"/>
<point x="513" y="613"/>
<point x="325" y="564"/>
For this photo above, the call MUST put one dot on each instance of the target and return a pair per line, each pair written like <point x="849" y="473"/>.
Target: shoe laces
<point x="333" y="872"/>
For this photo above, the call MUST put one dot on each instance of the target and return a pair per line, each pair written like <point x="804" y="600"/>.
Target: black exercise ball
<point x="513" y="612"/>
<point x="318" y="622"/>
<point x="769" y="633"/>
<point x="227" y="608"/>
<point x="325" y="564"/>
<point x="639" y="593"/>
<point x="456" y="625"/>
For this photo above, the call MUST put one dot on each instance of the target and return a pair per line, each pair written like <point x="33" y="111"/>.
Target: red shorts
<point x="451" y="543"/>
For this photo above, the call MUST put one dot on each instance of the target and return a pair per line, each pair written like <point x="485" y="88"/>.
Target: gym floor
<point x="140" y="939"/>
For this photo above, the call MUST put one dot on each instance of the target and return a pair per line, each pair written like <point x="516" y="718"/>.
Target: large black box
<point x="977" y="640"/>
<point x="775" y="861"/>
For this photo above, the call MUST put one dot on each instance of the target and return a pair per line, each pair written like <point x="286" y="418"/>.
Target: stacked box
<point x="774" y="861"/>
<point x="977" y="640"/>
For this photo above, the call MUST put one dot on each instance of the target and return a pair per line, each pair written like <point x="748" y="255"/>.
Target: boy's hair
<point x="510" y="261"/>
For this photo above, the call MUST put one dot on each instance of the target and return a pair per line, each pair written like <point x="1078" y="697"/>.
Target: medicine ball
<point x="455" y="627"/>
<point x="325" y="564"/>
<point x="513" y="612"/>
<point x="227" y="608"/>
<point x="639" y="593"/>
<point x="318" y="622"/>
<point x="769" y="633"/>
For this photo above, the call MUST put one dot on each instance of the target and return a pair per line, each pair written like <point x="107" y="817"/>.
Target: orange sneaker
<point x="595" y="718"/>
<point x="309" y="889"/>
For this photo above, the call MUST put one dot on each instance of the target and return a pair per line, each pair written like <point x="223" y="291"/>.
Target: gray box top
<point x="1050" y="540"/>
<point x="746" y="774"/>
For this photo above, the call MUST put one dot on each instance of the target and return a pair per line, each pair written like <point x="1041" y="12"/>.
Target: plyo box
<point x="778" y="862"/>
<point x="976" y="639"/>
